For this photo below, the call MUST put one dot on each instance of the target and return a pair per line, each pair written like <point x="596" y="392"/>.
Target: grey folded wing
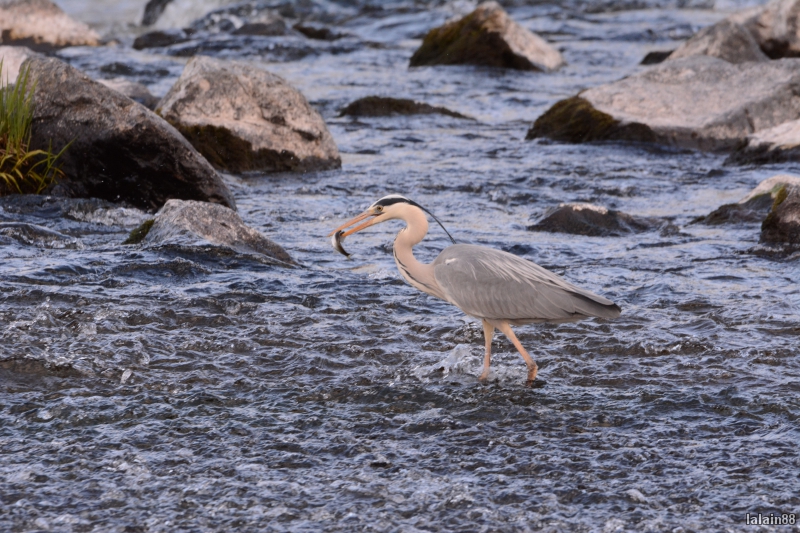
<point x="489" y="283"/>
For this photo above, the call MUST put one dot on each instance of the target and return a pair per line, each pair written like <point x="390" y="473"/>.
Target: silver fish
<point x="336" y="241"/>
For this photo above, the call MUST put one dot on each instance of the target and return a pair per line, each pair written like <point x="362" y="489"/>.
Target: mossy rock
<point x="137" y="235"/>
<point x="381" y="106"/>
<point x="782" y="224"/>
<point x="751" y="211"/>
<point x="575" y="120"/>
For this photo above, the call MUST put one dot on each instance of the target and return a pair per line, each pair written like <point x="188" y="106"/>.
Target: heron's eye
<point x="379" y="208"/>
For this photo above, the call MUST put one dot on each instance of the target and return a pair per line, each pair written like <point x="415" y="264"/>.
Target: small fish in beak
<point x="336" y="241"/>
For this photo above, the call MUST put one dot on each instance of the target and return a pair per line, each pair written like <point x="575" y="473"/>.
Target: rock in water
<point x="382" y="106"/>
<point x="120" y="151"/>
<point x="487" y="37"/>
<point x="726" y="40"/>
<point x="753" y="207"/>
<point x="43" y="26"/>
<point x="782" y="224"/>
<point x="688" y="103"/>
<point x="776" y="28"/>
<point x="589" y="219"/>
<point x="774" y="145"/>
<point x="133" y="90"/>
<point x="189" y="223"/>
<point x="243" y="118"/>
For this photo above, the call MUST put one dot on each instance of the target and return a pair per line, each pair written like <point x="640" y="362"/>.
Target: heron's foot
<point x="532" y="371"/>
<point x="484" y="377"/>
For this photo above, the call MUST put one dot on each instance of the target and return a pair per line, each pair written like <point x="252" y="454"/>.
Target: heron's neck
<point x="418" y="274"/>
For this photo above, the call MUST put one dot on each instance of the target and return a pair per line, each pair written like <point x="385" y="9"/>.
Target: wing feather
<point x="489" y="283"/>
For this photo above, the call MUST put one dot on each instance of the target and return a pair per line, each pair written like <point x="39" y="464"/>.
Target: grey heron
<point x="499" y="288"/>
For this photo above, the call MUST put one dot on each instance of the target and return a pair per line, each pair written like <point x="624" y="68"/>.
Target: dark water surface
<point x="173" y="390"/>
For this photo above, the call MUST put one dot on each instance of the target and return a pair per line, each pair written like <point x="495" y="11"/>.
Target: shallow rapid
<point x="176" y="390"/>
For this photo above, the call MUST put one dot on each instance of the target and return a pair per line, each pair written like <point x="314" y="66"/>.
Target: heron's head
<point x="387" y="208"/>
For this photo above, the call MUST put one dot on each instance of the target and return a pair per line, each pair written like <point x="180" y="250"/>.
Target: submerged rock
<point x="592" y="220"/>
<point x="688" y="103"/>
<point x="120" y="150"/>
<point x="774" y="145"/>
<point x="382" y="106"/>
<point x="753" y="207"/>
<point x="273" y="28"/>
<point x="782" y="224"/>
<point x="318" y="33"/>
<point x="159" y="38"/>
<point x="135" y="91"/>
<point x="655" y="57"/>
<point x="39" y="236"/>
<point x="486" y="37"/>
<point x="41" y="25"/>
<point x="243" y="118"/>
<point x="725" y="40"/>
<point x="188" y="223"/>
<point x="153" y="10"/>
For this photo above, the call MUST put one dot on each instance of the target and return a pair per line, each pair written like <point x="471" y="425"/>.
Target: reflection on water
<point x="157" y="390"/>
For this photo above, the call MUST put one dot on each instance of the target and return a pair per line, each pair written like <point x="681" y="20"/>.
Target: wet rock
<point x="592" y="220"/>
<point x="157" y="39"/>
<point x="774" y="145"/>
<point x="135" y="91"/>
<point x="753" y="207"/>
<point x="33" y="235"/>
<point x="776" y="27"/>
<point x="320" y="34"/>
<point x="153" y="10"/>
<point x="12" y="58"/>
<point x="41" y="25"/>
<point x="189" y="223"/>
<point x="120" y="151"/>
<point x="243" y="118"/>
<point x="272" y="28"/>
<point x="382" y="106"/>
<point x="487" y="37"/>
<point x="655" y="57"/>
<point x="726" y="40"/>
<point x="686" y="102"/>
<point x="782" y="224"/>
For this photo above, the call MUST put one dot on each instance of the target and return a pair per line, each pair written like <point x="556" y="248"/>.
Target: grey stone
<point x="592" y="220"/>
<point x="133" y="90"/>
<point x="13" y="57"/>
<point x="188" y="223"/>
<point x="779" y="144"/>
<point x="697" y="102"/>
<point x="776" y="27"/>
<point x="782" y="223"/>
<point x="753" y="207"/>
<point x="38" y="236"/>
<point x="41" y="25"/>
<point x="487" y="37"/>
<point x="120" y="150"/>
<point x="244" y="118"/>
<point x="726" y="40"/>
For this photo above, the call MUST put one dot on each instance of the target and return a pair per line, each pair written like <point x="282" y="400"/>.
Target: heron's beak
<point x="359" y="218"/>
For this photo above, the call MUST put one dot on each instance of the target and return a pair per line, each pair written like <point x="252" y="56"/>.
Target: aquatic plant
<point x="22" y="170"/>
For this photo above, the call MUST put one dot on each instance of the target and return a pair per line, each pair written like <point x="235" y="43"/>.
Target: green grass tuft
<point x="22" y="170"/>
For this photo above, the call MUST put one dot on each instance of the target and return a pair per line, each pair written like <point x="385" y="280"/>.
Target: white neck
<point x="418" y="274"/>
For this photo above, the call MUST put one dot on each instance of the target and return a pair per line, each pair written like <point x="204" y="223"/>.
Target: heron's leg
<point x="532" y="368"/>
<point x="488" y="333"/>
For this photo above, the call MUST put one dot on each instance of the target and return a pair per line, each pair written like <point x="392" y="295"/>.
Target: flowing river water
<point x="161" y="390"/>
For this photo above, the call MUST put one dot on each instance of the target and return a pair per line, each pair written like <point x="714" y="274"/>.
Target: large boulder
<point x="133" y="90"/>
<point x="120" y="150"/>
<point x="726" y="40"/>
<point x="244" y="118"/>
<point x="773" y="145"/>
<point x="487" y="37"/>
<point x="41" y="25"/>
<point x="199" y="224"/>
<point x="592" y="220"/>
<point x="753" y="207"/>
<point x="782" y="224"/>
<point x="776" y="27"/>
<point x="696" y="102"/>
